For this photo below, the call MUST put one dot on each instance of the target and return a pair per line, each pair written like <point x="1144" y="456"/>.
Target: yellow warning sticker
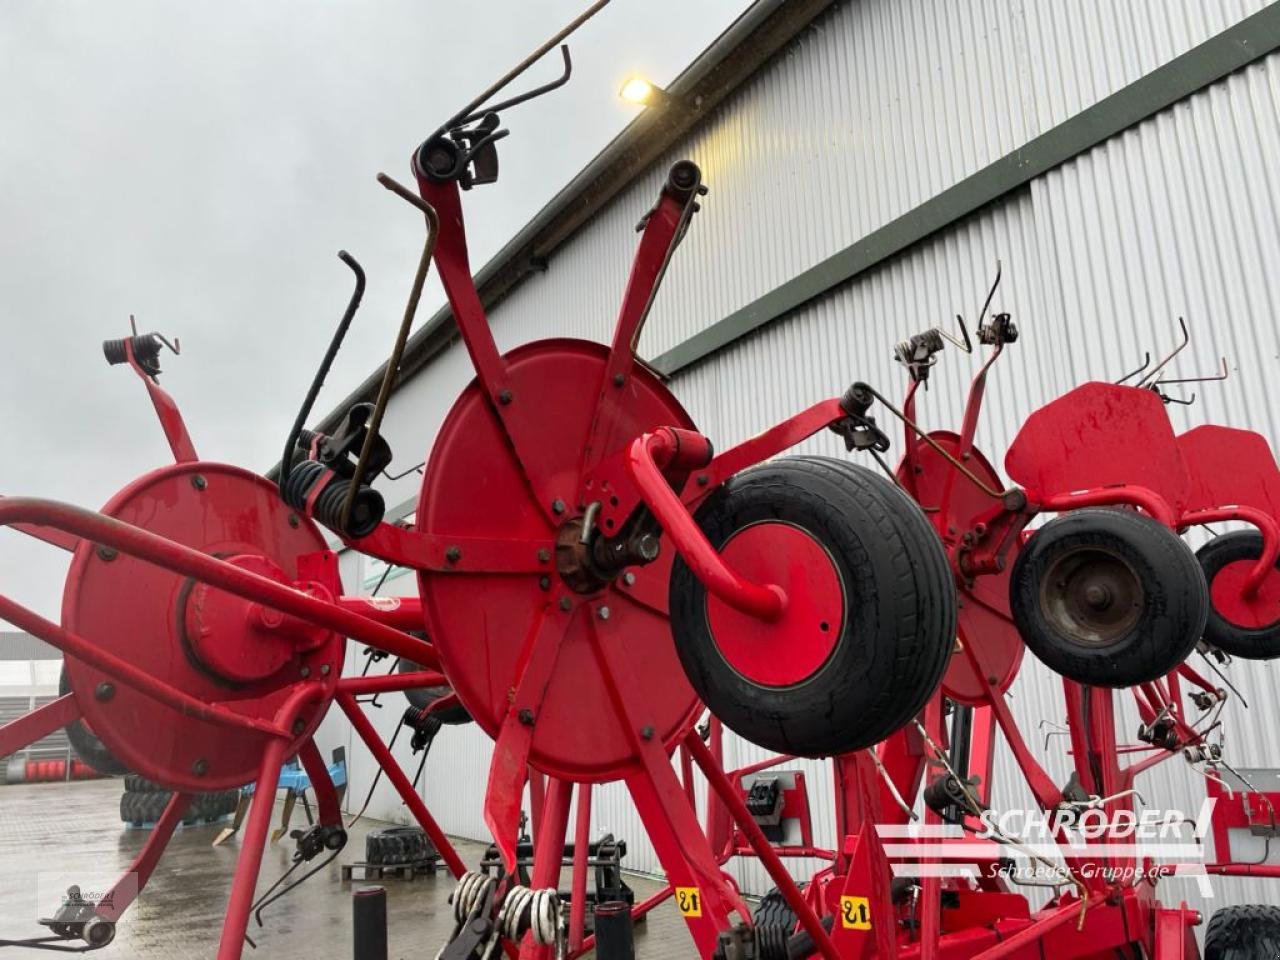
<point x="689" y="900"/>
<point x="855" y="913"/>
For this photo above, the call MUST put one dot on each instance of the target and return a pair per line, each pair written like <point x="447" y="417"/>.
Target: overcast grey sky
<point x="199" y="165"/>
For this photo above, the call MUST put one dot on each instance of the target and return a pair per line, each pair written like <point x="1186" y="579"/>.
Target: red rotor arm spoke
<point x="765" y="601"/>
<point x="38" y="724"/>
<point x="217" y="573"/>
<point x="327" y="810"/>
<point x="646" y="591"/>
<point x="382" y="756"/>
<point x="445" y="554"/>
<point x="127" y="673"/>
<point x="759" y="843"/>
<point x="56" y="538"/>
<point x="519" y="419"/>
<point x="175" y="429"/>
<point x="391" y="682"/>
<point x="670" y="819"/>
<point x="510" y="764"/>
<point x="764" y="445"/>
<point x="126" y="889"/>
<point x="663" y="229"/>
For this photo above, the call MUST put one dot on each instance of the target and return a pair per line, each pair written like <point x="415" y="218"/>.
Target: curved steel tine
<point x="966" y="344"/>
<point x="1146" y="362"/>
<point x="528" y="94"/>
<point x="982" y="315"/>
<point x="478" y="103"/>
<point x="1186" y="338"/>
<point x="1222" y="375"/>
<point x="176" y="346"/>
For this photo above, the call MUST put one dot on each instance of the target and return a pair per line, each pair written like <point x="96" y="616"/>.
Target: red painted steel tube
<point x="122" y="894"/>
<point x="127" y="673"/>
<point x="1266" y="525"/>
<point x="252" y="843"/>
<point x="326" y="794"/>
<point x="765" y="601"/>
<point x="391" y="682"/>
<point x="402" y="613"/>
<point x="382" y="756"/>
<point x="1244" y="869"/>
<point x="217" y="573"/>
<point x="548" y="853"/>
<point x="37" y="724"/>
<point x="1137" y="496"/>
<point x="578" y="889"/>
<point x="1037" y="930"/>
<point x="755" y="836"/>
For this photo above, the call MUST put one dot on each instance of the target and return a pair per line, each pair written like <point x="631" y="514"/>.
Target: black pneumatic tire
<point x="1108" y="597"/>
<point x="1248" y="932"/>
<point x="899" y="609"/>
<point x="85" y="742"/>
<point x="774" y="922"/>
<point x="392" y="846"/>
<point x="136" y="784"/>
<point x="139" y="807"/>
<point x="1251" y="643"/>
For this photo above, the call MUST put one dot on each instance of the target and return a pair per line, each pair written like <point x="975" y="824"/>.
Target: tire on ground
<point x="898" y="609"/>
<point x="85" y="742"/>
<point x="1261" y="642"/>
<point x="1108" y="597"/>
<point x="146" y="807"/>
<point x="396" y="846"/>
<point x="1246" y="932"/>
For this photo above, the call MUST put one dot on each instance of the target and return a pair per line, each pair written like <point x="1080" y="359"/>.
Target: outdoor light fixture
<point x="640" y="91"/>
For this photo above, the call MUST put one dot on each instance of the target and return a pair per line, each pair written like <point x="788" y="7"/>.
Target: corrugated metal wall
<point x="878" y="107"/>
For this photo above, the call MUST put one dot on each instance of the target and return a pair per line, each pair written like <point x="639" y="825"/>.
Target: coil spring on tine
<point x="536" y="911"/>
<point x="470" y="890"/>
<point x="906" y="351"/>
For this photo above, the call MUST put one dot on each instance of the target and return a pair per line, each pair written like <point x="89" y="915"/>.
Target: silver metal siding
<point x="880" y="106"/>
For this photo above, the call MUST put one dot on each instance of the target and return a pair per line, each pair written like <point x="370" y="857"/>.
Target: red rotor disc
<point x="984" y="622"/>
<point x="480" y="622"/>
<point x="142" y="612"/>
<point x="789" y="650"/>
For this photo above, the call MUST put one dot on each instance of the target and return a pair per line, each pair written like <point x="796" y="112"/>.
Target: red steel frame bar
<point x="548" y="852"/>
<point x="123" y="893"/>
<point x="38" y="724"/>
<point x="578" y="889"/>
<point x="382" y="756"/>
<point x="729" y="796"/>
<point x="391" y="682"/>
<point x="217" y="573"/>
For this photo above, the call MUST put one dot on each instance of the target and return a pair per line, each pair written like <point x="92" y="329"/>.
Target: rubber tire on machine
<point x="774" y="923"/>
<point x="397" y="846"/>
<point x="147" y="806"/>
<point x="422" y="697"/>
<point x="136" y="784"/>
<point x="1251" y="643"/>
<point x="898" y="623"/>
<point x="85" y="742"/>
<point x="1170" y="618"/>
<point x="1246" y="932"/>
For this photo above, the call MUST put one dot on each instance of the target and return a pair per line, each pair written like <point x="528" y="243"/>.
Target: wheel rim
<point x="787" y="651"/>
<point x="1092" y="595"/>
<point x="1256" y="612"/>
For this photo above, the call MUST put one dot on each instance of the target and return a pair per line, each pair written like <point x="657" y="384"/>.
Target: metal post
<point x="614" y="933"/>
<point x="369" y="923"/>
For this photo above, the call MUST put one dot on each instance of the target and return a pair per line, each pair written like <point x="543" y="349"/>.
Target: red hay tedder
<point x="593" y="578"/>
